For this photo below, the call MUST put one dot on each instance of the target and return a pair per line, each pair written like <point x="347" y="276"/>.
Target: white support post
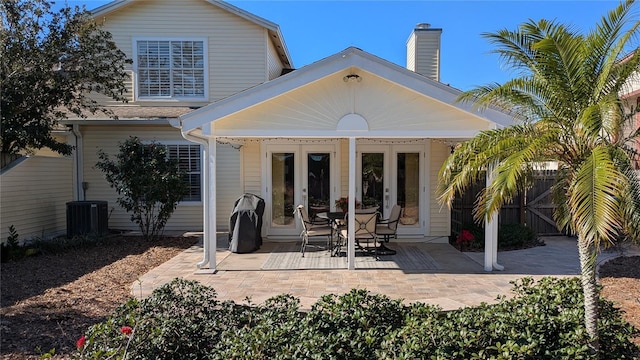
<point x="205" y="208"/>
<point x="351" y="248"/>
<point x="212" y="236"/>
<point x="491" y="234"/>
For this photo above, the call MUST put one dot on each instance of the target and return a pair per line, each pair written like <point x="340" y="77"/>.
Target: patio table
<point x="334" y="218"/>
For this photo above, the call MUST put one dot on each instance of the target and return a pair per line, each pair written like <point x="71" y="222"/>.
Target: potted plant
<point x="343" y="204"/>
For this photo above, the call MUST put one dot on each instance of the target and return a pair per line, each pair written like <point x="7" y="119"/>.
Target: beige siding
<point x="188" y="216"/>
<point x="273" y="62"/>
<point x="228" y="181"/>
<point x="252" y="168"/>
<point x="411" y="52"/>
<point x="440" y="219"/>
<point x="236" y="47"/>
<point x="423" y="53"/>
<point x="320" y="105"/>
<point x="33" y="197"/>
<point x="344" y="168"/>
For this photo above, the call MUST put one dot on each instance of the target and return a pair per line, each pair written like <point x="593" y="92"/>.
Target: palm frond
<point x="630" y="199"/>
<point x="594" y="197"/>
<point x="559" y="192"/>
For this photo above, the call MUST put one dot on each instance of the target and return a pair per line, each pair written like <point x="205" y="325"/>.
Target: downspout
<point x="77" y="168"/>
<point x="205" y="193"/>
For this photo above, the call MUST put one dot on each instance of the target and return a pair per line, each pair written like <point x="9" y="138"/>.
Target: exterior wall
<point x="252" y="168"/>
<point x="273" y="62"/>
<point x="237" y="50"/>
<point x="440" y="216"/>
<point x="439" y="221"/>
<point x="411" y="52"/>
<point x="228" y="180"/>
<point x="321" y="104"/>
<point x="188" y="216"/>
<point x="33" y="196"/>
<point x="423" y="52"/>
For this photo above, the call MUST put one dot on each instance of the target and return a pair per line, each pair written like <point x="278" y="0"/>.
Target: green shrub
<point x="180" y="320"/>
<point x="516" y="236"/>
<point x="349" y="326"/>
<point x="183" y="320"/>
<point x="149" y="183"/>
<point x="11" y="249"/>
<point x="510" y="237"/>
<point x="269" y="332"/>
<point x="543" y="321"/>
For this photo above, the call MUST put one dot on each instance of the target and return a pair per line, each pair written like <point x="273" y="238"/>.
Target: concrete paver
<point x="460" y="283"/>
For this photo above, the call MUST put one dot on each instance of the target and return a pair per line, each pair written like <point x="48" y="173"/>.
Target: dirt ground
<point x="49" y="300"/>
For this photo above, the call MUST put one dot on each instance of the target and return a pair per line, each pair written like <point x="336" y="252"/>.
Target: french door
<point x="298" y="174"/>
<point x="393" y="174"/>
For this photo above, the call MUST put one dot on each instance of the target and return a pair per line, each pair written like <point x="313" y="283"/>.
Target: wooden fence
<point x="534" y="208"/>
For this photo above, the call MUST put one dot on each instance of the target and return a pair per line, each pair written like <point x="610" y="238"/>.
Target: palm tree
<point x="570" y="111"/>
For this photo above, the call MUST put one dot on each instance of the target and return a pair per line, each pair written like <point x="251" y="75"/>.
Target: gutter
<point x="77" y="159"/>
<point x="205" y="211"/>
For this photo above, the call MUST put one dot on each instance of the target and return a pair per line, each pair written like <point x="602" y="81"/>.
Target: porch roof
<point x="349" y="94"/>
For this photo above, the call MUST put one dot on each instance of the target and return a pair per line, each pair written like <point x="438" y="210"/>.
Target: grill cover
<point x="245" y="224"/>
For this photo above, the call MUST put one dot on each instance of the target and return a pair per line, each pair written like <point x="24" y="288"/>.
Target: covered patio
<point x="344" y="106"/>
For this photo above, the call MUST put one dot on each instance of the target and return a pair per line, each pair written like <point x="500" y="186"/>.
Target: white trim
<point x="134" y="69"/>
<point x="308" y="134"/>
<point x="267" y="194"/>
<point x="351" y="227"/>
<point x="426" y="190"/>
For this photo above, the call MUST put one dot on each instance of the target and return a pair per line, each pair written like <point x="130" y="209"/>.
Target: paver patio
<point x="460" y="280"/>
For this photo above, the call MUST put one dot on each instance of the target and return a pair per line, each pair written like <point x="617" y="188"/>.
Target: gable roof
<point x="273" y="29"/>
<point x="349" y="59"/>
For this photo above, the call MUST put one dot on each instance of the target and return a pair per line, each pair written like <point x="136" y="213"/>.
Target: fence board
<point x="534" y="209"/>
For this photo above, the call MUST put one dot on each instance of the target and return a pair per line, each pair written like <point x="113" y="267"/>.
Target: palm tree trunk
<point x="590" y="290"/>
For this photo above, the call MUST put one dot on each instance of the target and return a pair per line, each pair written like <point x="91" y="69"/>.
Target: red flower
<point x="127" y="330"/>
<point x="80" y="342"/>
<point x="465" y="236"/>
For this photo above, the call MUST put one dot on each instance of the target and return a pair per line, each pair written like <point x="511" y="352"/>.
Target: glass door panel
<point x="283" y="189"/>
<point x="373" y="190"/>
<point x="318" y="182"/>
<point x="408" y="187"/>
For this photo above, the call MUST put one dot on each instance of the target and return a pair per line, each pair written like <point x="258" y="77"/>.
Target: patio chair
<point x="388" y="228"/>
<point x="312" y="230"/>
<point x="365" y="232"/>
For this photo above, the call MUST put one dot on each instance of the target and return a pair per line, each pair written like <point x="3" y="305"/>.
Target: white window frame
<point x="178" y="143"/>
<point x="136" y="78"/>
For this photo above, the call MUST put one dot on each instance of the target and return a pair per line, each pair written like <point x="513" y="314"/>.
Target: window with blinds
<point x="171" y="69"/>
<point x="188" y="157"/>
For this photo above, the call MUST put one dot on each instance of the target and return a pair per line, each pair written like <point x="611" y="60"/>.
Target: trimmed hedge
<point x="184" y="320"/>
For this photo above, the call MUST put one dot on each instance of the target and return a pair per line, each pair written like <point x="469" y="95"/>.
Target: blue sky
<point x="316" y="29"/>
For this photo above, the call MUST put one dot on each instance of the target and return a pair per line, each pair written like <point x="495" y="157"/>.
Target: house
<point x="217" y="86"/>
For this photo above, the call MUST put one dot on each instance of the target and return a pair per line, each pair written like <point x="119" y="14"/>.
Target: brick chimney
<point x="423" y="51"/>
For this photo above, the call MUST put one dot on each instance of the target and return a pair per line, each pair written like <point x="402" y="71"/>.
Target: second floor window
<point x="171" y="69"/>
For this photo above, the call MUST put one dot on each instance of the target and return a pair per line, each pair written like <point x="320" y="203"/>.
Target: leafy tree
<point x="51" y="62"/>
<point x="150" y="184"/>
<point x="568" y="98"/>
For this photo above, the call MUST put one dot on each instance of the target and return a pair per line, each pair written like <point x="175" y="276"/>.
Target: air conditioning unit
<point x="87" y="217"/>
